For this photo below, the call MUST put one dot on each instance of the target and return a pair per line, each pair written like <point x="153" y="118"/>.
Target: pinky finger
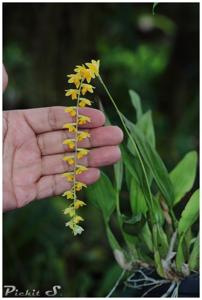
<point x="54" y="185"/>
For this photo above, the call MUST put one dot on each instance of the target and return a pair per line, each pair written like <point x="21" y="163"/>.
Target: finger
<point x="52" y="142"/>
<point x="53" y="118"/>
<point x="99" y="157"/>
<point x="54" y="185"/>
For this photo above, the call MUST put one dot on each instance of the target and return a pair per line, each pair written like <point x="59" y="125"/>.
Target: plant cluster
<point x="152" y="233"/>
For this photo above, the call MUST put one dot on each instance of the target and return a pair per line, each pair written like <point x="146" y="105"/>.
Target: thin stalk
<point x="76" y="146"/>
<point x="116" y="284"/>
<point x="130" y="137"/>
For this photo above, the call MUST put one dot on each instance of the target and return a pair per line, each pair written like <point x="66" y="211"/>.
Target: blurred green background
<point x="158" y="56"/>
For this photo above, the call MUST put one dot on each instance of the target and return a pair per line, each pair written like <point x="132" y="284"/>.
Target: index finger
<point x="53" y="118"/>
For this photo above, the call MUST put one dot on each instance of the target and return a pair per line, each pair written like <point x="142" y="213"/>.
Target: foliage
<point x="153" y="235"/>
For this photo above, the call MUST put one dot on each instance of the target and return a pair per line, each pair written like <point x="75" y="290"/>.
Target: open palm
<point x="33" y="152"/>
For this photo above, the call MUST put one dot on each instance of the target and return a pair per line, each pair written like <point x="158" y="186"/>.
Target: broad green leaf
<point x="118" y="173"/>
<point x="103" y="196"/>
<point x="183" y="175"/>
<point x="145" y="125"/>
<point x="194" y="256"/>
<point x="189" y="214"/>
<point x="137" y="199"/>
<point x="136" y="102"/>
<point x="154" y="162"/>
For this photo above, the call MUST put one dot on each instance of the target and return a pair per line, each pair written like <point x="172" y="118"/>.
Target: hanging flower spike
<point x="81" y="80"/>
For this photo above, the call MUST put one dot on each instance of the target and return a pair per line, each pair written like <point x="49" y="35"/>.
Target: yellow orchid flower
<point x="69" y="159"/>
<point x="68" y="194"/>
<point x="85" y="87"/>
<point x="71" y="110"/>
<point x="70" y="127"/>
<point x="83" y="120"/>
<point x="80" y="169"/>
<point x="84" y="101"/>
<point x="78" y="204"/>
<point x="70" y="143"/>
<point x="78" y="219"/>
<point x="83" y="135"/>
<point x="94" y="66"/>
<point x="69" y="211"/>
<point x="81" y="153"/>
<point x="69" y="176"/>
<point x="79" y="185"/>
<point x="85" y="73"/>
<point x="74" y="78"/>
<point x="73" y="93"/>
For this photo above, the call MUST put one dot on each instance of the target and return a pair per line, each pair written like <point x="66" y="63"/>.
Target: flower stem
<point x="76" y="146"/>
<point x="131" y="139"/>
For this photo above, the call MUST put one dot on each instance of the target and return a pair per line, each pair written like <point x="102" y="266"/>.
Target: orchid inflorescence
<point x="81" y="79"/>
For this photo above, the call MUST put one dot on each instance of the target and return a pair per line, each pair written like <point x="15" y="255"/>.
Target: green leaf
<point x="183" y="175"/>
<point x="133" y="225"/>
<point x="189" y="214"/>
<point x="112" y="240"/>
<point x="194" y="256"/>
<point x="145" y="125"/>
<point x="136" y="102"/>
<point x="180" y="254"/>
<point x="137" y="199"/>
<point x="128" y="177"/>
<point x="146" y="236"/>
<point x="162" y="242"/>
<point x="103" y="196"/>
<point x="153" y="162"/>
<point x="133" y="166"/>
<point x="118" y="173"/>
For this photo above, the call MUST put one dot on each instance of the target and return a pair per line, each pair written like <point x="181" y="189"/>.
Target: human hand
<point x="33" y="152"/>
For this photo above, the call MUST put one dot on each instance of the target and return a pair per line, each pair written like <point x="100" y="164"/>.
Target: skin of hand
<point x="33" y="150"/>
